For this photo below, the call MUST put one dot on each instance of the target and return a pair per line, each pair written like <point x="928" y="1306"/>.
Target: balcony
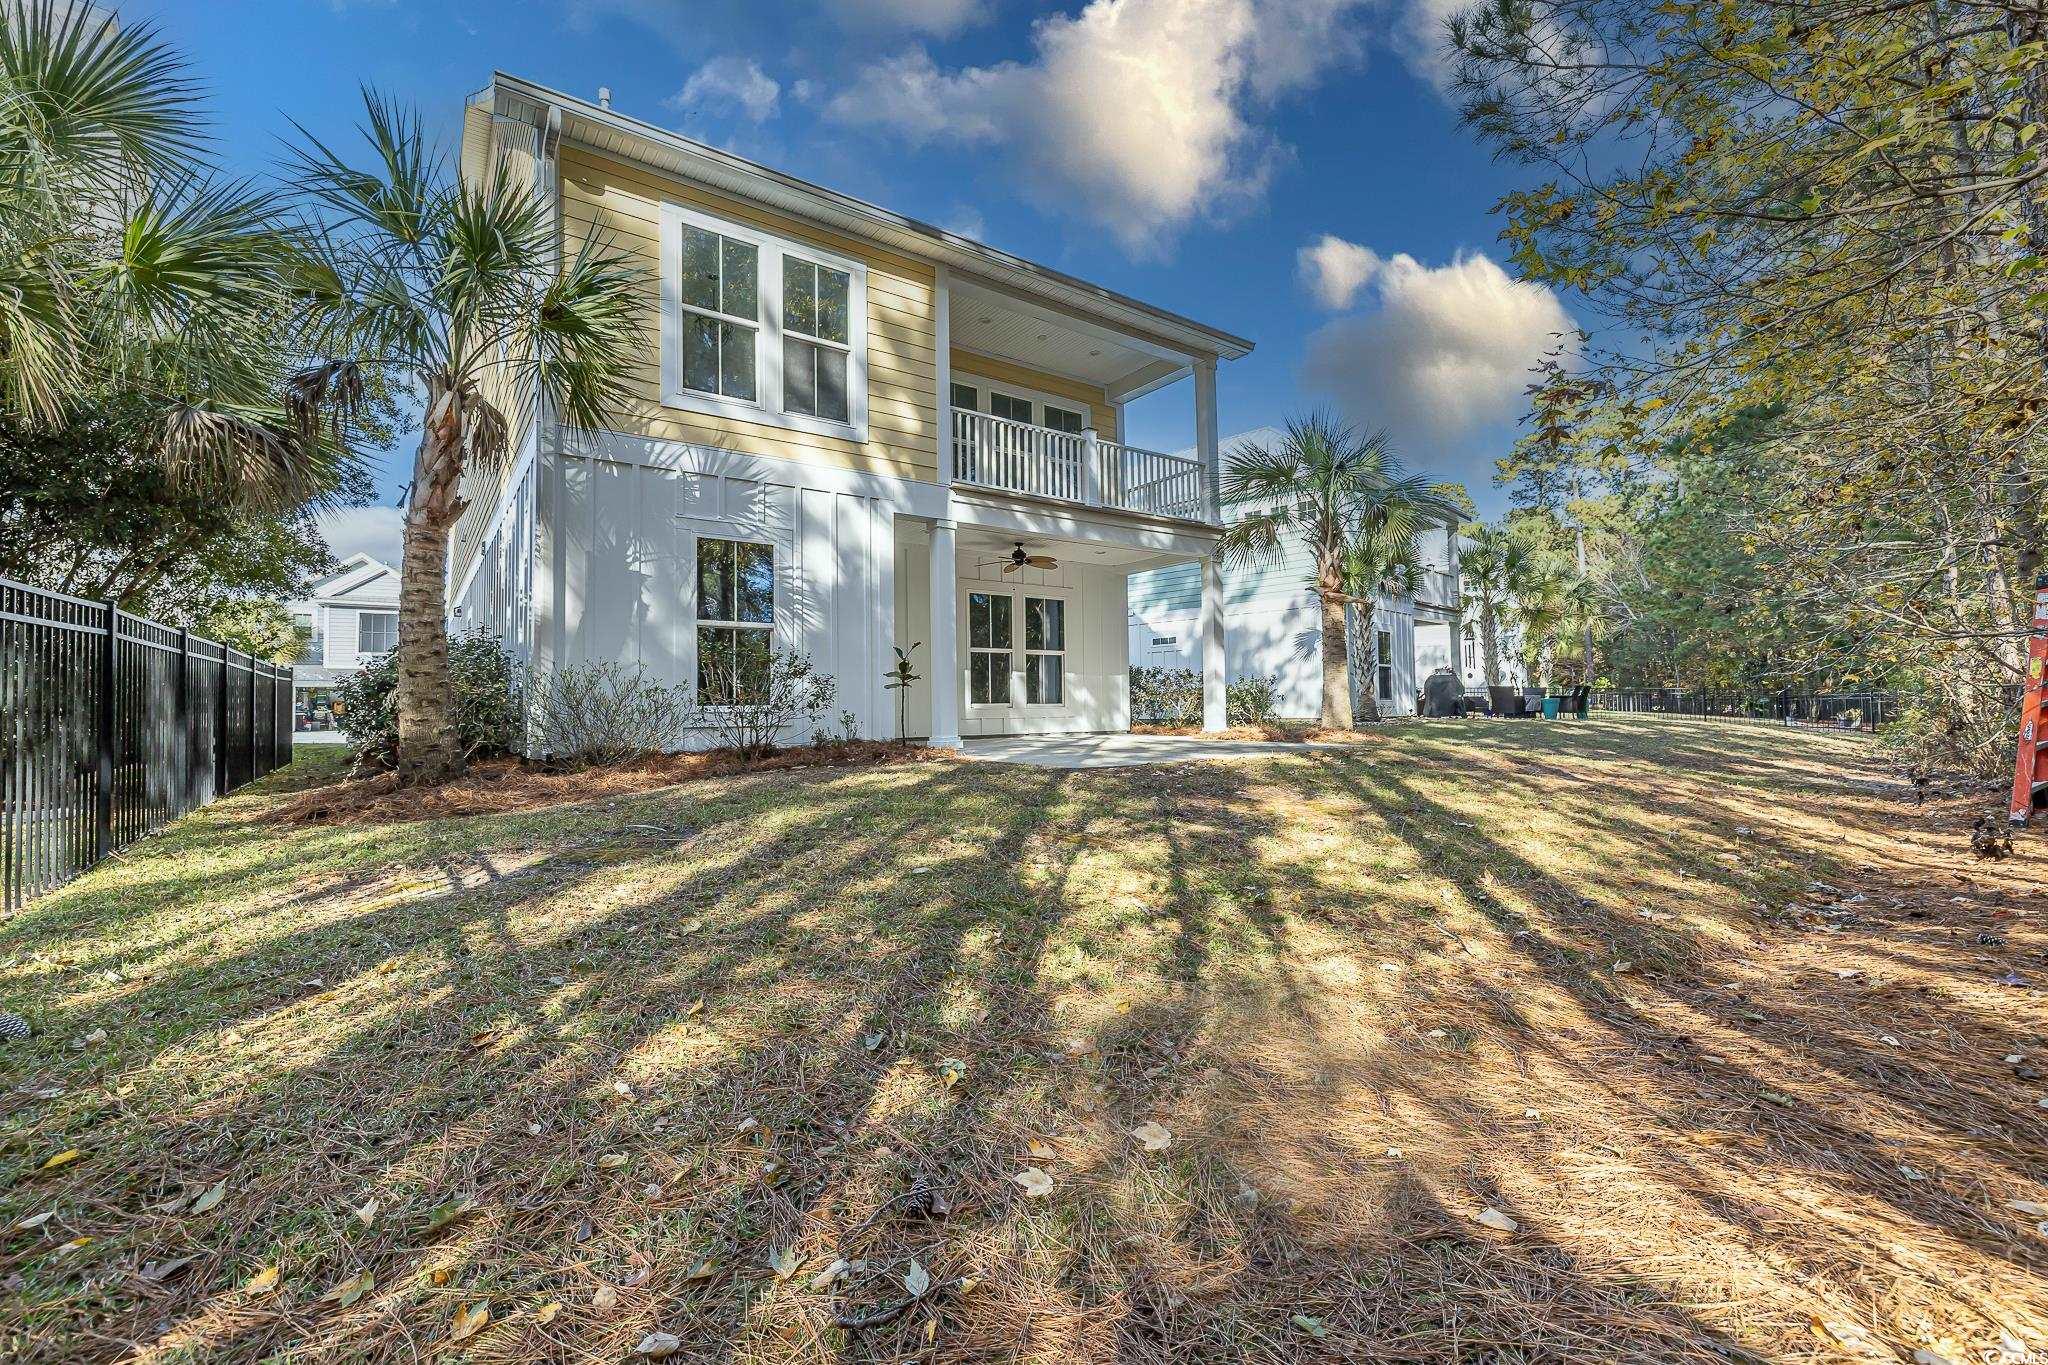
<point x="1076" y="467"/>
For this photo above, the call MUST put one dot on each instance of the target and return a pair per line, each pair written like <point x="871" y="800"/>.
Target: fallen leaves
<point x="262" y="1282"/>
<point x="1036" y="1183"/>
<point x="655" y="1345"/>
<point x="1494" y="1218"/>
<point x="830" y="1275"/>
<point x="917" y="1281"/>
<point x="156" y="1272"/>
<point x="366" y="1212"/>
<point x="468" y="1321"/>
<point x="211" y="1196"/>
<point x="351" y="1290"/>
<point x="1302" y="1322"/>
<point x="60" y="1160"/>
<point x="783" y="1263"/>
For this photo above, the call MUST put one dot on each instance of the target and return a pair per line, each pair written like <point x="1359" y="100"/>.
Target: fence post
<point x="251" y="715"/>
<point x="220" y="730"/>
<point x="184" y="724"/>
<point x="103" y="799"/>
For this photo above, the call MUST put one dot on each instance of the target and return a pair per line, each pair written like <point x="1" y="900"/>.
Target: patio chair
<point x="1508" y="701"/>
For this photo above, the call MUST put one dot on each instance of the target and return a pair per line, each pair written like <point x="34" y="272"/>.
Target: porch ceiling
<point x="995" y="323"/>
<point x="986" y="543"/>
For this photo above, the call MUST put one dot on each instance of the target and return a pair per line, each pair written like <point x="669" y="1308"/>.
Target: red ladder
<point x="2031" y="772"/>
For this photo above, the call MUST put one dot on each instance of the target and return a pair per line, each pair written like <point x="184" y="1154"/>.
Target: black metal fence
<point x="111" y="726"/>
<point x="1836" y="710"/>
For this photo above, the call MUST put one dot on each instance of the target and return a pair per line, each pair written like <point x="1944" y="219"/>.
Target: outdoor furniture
<point x="1575" y="702"/>
<point x="1508" y="701"/>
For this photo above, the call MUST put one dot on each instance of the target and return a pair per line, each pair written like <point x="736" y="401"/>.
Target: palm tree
<point x="129" y="275"/>
<point x="1347" y="499"/>
<point x="452" y="288"/>
<point x="1496" y="566"/>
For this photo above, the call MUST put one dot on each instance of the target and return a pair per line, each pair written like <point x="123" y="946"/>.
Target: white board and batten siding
<point x="499" y="599"/>
<point x="618" y="526"/>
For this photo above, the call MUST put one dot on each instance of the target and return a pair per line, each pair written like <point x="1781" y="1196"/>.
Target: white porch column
<point x="1205" y="438"/>
<point x="1215" y="714"/>
<point x="945" y="638"/>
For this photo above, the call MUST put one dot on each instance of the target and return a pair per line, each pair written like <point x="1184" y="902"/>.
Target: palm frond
<point x="252" y="453"/>
<point x="585" y="335"/>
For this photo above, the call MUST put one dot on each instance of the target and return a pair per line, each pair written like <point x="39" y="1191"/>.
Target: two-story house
<point x="1273" y="622"/>
<point x="851" y="432"/>
<point x="349" y="615"/>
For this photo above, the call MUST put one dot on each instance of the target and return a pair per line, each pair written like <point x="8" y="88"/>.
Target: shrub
<point x="1167" y="696"/>
<point x="1253" y="701"/>
<point x="767" y="697"/>
<point x="486" y="680"/>
<point x="604" y="713"/>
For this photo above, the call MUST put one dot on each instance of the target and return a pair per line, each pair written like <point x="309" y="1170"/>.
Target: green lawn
<point x="656" y="1063"/>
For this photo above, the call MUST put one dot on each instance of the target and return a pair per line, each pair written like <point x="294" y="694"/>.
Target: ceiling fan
<point x="1017" y="559"/>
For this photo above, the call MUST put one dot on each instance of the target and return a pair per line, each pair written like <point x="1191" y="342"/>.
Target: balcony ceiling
<point x="985" y="544"/>
<point x="995" y="323"/>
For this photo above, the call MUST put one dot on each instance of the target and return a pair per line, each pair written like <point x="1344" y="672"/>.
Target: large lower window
<point x="1045" y="651"/>
<point x="376" y="632"/>
<point x="988" y="648"/>
<point x="735" y="619"/>
<point x="720" y="291"/>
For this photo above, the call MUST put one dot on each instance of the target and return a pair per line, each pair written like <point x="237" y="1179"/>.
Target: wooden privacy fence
<point x="112" y="726"/>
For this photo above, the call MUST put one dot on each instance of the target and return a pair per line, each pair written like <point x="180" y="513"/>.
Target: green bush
<point x="488" y="699"/>
<point x="1166" y="696"/>
<point x="1253" y="701"/>
<point x="598" y="713"/>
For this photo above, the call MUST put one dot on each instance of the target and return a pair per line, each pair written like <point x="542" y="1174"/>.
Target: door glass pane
<point x="967" y="396"/>
<point x="736" y="361"/>
<point x="799" y="378"/>
<point x="714" y="580"/>
<point x="832" y="297"/>
<point x="799" y="295"/>
<point x="698" y="284"/>
<point x="832" y="401"/>
<point x="742" y="279"/>
<point x="989" y="679"/>
<point x="1060" y="419"/>
<point x="977" y="621"/>
<point x="700" y="353"/>
<point x="1044" y="679"/>
<point x="999" y="620"/>
<point x="1045" y="623"/>
<point x="1016" y="409"/>
<point x="755" y="583"/>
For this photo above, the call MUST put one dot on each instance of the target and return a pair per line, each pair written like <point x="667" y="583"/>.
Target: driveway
<point x="1119" y="751"/>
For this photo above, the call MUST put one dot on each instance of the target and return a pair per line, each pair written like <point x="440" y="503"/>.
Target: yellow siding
<point x="1001" y="372"/>
<point x="625" y="204"/>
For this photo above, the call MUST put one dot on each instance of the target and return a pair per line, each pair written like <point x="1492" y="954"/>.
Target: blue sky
<point x="1286" y="169"/>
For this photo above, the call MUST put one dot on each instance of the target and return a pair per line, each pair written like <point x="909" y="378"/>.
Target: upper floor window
<point x="760" y="328"/>
<point x="376" y="631"/>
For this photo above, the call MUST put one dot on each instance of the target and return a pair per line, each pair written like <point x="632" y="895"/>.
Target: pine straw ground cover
<point x="1746" y="1046"/>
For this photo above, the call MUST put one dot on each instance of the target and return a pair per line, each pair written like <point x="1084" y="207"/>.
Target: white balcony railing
<point x="1017" y="457"/>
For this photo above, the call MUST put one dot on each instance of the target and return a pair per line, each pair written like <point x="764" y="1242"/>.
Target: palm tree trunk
<point x="1336" y="664"/>
<point x="429" y="745"/>
<point x="1489" y="641"/>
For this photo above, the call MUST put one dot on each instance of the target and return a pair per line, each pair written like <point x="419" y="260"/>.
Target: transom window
<point x="735" y="618"/>
<point x="721" y="298"/>
<point x="988" y="648"/>
<point x="376" y="632"/>
<point x="1045" y="651"/>
<point x="761" y="328"/>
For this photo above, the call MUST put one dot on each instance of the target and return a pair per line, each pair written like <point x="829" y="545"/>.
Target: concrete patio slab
<point x="1120" y="751"/>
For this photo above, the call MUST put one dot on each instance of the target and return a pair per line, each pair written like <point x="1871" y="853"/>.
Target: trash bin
<point x="1550" y="705"/>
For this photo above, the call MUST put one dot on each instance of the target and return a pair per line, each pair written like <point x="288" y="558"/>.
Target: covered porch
<point x="1016" y="618"/>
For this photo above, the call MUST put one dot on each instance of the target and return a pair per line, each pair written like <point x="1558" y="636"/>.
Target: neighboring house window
<point x="1384" y="643"/>
<point x="762" y="329"/>
<point x="376" y="632"/>
<point x="1061" y="419"/>
<point x="1045" y="651"/>
<point x="988" y="648"/>
<point x="735" y="617"/>
<point x="720" y="292"/>
<point x="815" y="349"/>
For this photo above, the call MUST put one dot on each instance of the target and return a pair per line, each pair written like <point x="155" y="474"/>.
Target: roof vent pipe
<point x="604" y="97"/>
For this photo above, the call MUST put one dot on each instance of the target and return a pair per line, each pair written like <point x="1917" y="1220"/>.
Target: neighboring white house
<point x="845" y="424"/>
<point x="353" y="615"/>
<point x="1273" y="625"/>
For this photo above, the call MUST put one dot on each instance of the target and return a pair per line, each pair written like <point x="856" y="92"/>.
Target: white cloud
<point x="1141" y="115"/>
<point x="727" y="85"/>
<point x="1334" y="270"/>
<point x="1445" y="352"/>
<point x="375" y="531"/>
<point x="1421" y="34"/>
<point x="966" y="221"/>
<point x="940" y="18"/>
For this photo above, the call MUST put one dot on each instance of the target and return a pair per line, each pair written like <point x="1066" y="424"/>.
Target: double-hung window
<point x="735" y="618"/>
<point x="376" y="632"/>
<point x="1045" y="651"/>
<point x="988" y="648"/>
<point x="1383" y="647"/>
<point x="760" y="327"/>
<point x="816" y="339"/>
